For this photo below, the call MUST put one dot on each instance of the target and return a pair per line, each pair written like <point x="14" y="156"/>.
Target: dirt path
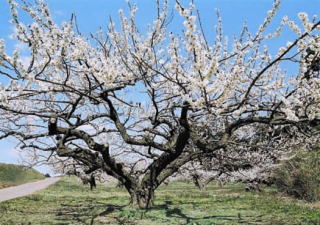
<point x="25" y="189"/>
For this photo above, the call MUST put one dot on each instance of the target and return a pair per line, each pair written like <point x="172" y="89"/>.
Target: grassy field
<point x="14" y="175"/>
<point x="68" y="202"/>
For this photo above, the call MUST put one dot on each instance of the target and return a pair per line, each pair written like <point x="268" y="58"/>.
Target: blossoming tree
<point x="121" y="98"/>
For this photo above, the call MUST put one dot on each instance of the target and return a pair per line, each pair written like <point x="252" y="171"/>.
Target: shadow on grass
<point x="174" y="212"/>
<point x="87" y="213"/>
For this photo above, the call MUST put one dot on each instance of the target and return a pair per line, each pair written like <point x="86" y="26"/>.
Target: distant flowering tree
<point x="120" y="98"/>
<point x="232" y="165"/>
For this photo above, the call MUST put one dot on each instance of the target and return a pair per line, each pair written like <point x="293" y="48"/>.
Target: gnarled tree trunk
<point x="142" y="197"/>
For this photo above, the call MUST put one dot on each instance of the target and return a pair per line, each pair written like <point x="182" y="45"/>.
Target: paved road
<point x="25" y="189"/>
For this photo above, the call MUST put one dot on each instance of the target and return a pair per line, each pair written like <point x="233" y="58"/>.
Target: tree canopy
<point x="138" y="106"/>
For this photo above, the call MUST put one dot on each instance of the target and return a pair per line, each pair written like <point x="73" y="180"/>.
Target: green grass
<point x="68" y="202"/>
<point x="15" y="174"/>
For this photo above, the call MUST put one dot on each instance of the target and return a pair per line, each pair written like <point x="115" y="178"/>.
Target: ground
<point x="68" y="202"/>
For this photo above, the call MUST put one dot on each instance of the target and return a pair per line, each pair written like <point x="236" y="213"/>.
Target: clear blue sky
<point x="93" y="14"/>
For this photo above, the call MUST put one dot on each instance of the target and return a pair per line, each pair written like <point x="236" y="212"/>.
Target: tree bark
<point x="142" y="197"/>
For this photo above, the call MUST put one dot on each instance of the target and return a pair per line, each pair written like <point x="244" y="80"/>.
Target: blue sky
<point x="93" y="14"/>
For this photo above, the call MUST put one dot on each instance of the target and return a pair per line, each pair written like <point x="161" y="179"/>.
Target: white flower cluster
<point x="305" y="21"/>
<point x="292" y="25"/>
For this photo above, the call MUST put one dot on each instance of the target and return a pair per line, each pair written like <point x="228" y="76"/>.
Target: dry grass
<point x="4" y="185"/>
<point x="315" y="205"/>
